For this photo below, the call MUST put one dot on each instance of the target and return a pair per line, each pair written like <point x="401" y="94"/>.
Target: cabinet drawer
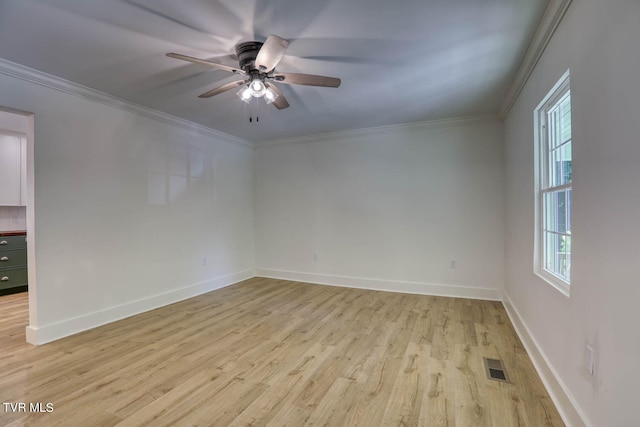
<point x="11" y="278"/>
<point x="12" y="259"/>
<point x="12" y="242"/>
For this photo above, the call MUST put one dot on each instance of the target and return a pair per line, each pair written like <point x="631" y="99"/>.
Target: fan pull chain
<point x="251" y="107"/>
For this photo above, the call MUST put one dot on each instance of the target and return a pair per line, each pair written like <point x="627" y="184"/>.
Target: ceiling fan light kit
<point x="257" y="63"/>
<point x="257" y="89"/>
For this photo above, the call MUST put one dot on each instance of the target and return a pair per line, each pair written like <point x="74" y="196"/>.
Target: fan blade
<point x="306" y="79"/>
<point x="205" y="62"/>
<point x="271" y="53"/>
<point x="222" y="88"/>
<point x="280" y="102"/>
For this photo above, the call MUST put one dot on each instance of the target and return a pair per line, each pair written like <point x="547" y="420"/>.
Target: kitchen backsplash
<point x="13" y="218"/>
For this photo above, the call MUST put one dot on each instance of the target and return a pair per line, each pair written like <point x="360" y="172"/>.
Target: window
<point x="553" y="187"/>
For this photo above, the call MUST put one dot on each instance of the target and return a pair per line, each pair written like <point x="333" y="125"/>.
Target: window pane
<point x="557" y="259"/>
<point x="555" y="167"/>
<point x="557" y="232"/>
<point x="569" y="210"/>
<point x="560" y="211"/>
<point x="565" y="118"/>
<point x="559" y="170"/>
<point x="552" y="128"/>
<point x="549" y="210"/>
<point x="554" y="160"/>
<point x="557" y="210"/>
<point x="566" y="163"/>
<point x="564" y="270"/>
<point x="550" y="245"/>
<point x="560" y="165"/>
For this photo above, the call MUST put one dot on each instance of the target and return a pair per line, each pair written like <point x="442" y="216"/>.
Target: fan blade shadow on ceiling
<point x="187" y="77"/>
<point x="293" y="98"/>
<point x="352" y="50"/>
<point x="286" y="18"/>
<point x="222" y="88"/>
<point x="194" y="86"/>
<point x="163" y="16"/>
<point x="198" y="20"/>
<point x="347" y="59"/>
<point x="207" y="26"/>
<point x="200" y="61"/>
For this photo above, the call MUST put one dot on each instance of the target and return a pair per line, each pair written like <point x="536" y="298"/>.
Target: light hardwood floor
<point x="273" y="352"/>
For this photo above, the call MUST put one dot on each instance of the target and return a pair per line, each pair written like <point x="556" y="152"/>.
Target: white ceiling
<point x="400" y="61"/>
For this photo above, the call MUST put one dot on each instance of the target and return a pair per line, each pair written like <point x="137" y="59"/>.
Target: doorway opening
<point x="17" y="213"/>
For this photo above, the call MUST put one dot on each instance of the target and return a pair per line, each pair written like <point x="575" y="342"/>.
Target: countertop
<point x="13" y="233"/>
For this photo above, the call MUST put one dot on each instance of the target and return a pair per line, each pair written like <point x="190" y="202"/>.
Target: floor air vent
<point x="495" y="370"/>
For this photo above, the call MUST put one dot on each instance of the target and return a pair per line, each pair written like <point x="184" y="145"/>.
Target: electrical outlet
<point x="454" y="264"/>
<point x="589" y="359"/>
<point x="315" y="257"/>
<point x="204" y="260"/>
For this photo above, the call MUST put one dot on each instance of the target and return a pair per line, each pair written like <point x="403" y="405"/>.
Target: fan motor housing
<point x="247" y="53"/>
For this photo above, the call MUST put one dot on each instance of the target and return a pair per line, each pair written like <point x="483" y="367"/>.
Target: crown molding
<point x="40" y="78"/>
<point x="430" y="124"/>
<point x="551" y="18"/>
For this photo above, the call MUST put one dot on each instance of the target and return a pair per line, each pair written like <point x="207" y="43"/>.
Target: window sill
<point x="559" y="284"/>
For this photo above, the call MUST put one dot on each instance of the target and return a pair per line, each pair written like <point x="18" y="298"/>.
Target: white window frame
<point x="558" y="91"/>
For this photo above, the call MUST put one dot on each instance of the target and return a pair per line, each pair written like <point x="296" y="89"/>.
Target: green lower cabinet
<point x="13" y="264"/>
<point x="12" y="242"/>
<point x="13" y="259"/>
<point x="14" y="277"/>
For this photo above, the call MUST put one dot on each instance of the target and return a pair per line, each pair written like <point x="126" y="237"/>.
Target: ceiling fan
<point x="257" y="64"/>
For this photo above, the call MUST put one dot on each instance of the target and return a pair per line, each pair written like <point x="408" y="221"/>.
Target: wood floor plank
<point x="268" y="352"/>
<point x="437" y="405"/>
<point x="283" y="387"/>
<point x="403" y="406"/>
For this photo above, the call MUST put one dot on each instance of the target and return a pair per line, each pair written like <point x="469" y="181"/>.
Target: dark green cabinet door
<point x="12" y="242"/>
<point x="13" y="277"/>
<point x="13" y="259"/>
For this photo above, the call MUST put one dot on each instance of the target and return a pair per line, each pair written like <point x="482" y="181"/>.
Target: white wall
<point x="126" y="207"/>
<point x="386" y="209"/>
<point x="599" y="42"/>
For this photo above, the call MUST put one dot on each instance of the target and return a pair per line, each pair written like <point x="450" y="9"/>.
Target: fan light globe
<point x="245" y="94"/>
<point x="270" y="95"/>
<point x="257" y="85"/>
<point x="257" y="88"/>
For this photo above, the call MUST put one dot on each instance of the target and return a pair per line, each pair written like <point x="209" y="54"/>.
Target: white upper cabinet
<point x="12" y="169"/>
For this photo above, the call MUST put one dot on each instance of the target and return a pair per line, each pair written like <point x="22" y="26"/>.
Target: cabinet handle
<point x="4" y="242"/>
<point x="4" y="258"/>
<point x="4" y="279"/>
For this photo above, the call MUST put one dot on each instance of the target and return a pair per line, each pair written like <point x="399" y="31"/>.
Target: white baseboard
<point x="54" y="331"/>
<point x="566" y="404"/>
<point x="385" y="285"/>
